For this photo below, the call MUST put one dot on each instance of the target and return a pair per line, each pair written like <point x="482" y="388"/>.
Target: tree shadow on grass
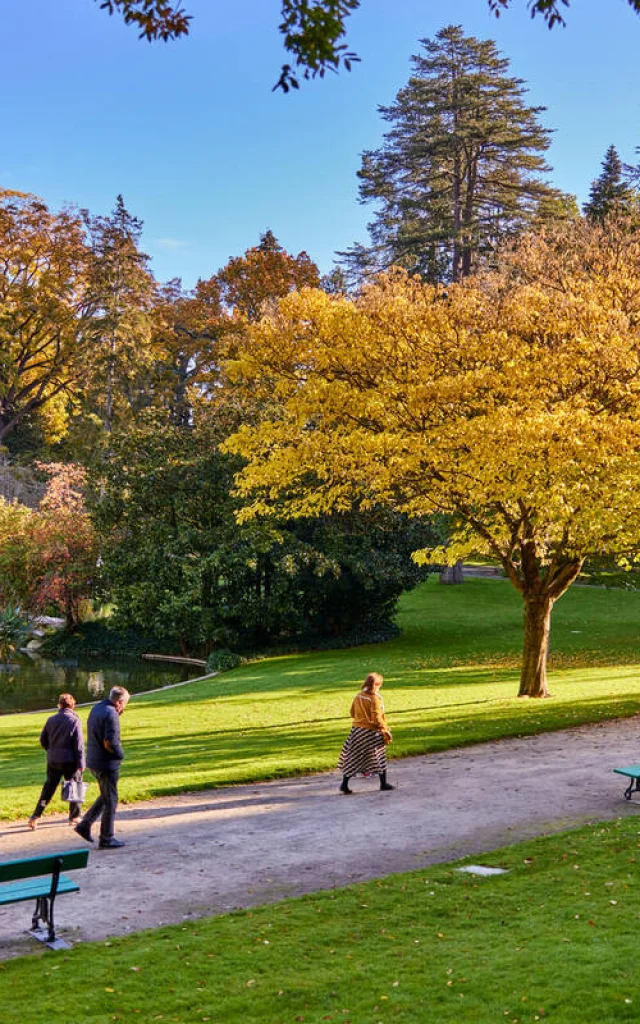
<point x="198" y="759"/>
<point x="507" y="720"/>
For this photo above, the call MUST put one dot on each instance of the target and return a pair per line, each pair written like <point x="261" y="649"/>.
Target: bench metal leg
<point x="42" y="926"/>
<point x="40" y="914"/>
<point x="633" y="787"/>
<point x="40" y="922"/>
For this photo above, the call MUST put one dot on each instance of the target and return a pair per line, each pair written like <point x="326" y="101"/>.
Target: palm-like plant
<point x="14" y="631"/>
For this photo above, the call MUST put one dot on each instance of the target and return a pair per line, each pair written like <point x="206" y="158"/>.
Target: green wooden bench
<point x="633" y="773"/>
<point x="40" y="879"/>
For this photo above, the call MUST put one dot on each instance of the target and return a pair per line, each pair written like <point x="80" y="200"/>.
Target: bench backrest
<point x="32" y="867"/>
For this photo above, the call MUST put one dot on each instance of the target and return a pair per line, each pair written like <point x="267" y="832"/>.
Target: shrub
<point x="223" y="660"/>
<point x="96" y="639"/>
<point x="14" y="631"/>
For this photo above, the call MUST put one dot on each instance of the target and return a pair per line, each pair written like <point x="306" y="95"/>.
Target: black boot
<point x="383" y="782"/>
<point x="344" y="788"/>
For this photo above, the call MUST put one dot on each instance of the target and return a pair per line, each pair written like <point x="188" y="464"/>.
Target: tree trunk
<point x="537" y="624"/>
<point x="453" y="574"/>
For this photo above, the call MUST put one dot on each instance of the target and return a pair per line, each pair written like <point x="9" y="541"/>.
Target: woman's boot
<point x="344" y="788"/>
<point x="383" y="782"/>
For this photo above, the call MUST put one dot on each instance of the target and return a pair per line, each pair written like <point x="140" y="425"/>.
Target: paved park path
<point x="212" y="851"/>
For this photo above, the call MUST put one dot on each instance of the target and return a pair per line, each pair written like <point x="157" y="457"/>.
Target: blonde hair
<point x="373" y="679"/>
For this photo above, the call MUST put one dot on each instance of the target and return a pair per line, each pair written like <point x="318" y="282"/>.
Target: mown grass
<point x="554" y="939"/>
<point x="450" y="679"/>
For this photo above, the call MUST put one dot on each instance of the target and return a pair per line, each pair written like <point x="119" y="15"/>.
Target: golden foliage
<point x="43" y="311"/>
<point x="510" y="402"/>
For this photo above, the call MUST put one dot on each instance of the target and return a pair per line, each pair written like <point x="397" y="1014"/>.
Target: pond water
<point x="31" y="685"/>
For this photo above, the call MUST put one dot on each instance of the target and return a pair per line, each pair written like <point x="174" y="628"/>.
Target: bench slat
<point x="31" y="867"/>
<point x="17" y="892"/>
<point x="632" y="772"/>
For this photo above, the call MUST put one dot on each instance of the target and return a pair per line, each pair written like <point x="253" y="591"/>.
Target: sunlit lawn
<point x="554" y="939"/>
<point x="450" y="679"/>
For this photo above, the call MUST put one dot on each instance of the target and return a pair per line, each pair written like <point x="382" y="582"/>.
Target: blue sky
<point x="209" y="157"/>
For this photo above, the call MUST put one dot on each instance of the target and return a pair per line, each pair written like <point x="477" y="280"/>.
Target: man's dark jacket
<point x="104" y="724"/>
<point x="62" y="738"/>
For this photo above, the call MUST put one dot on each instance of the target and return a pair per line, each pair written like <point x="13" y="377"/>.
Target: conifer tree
<point x="461" y="167"/>
<point x="610" y="192"/>
<point x="123" y="291"/>
<point x="632" y="172"/>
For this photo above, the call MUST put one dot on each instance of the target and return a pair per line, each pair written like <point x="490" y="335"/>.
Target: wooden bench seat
<point x="40" y="879"/>
<point x="631" y="772"/>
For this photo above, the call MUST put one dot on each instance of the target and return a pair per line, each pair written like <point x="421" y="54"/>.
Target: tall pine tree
<point x="462" y="166"/>
<point x="632" y="171"/>
<point x="610" y="192"/>
<point x="123" y="291"/>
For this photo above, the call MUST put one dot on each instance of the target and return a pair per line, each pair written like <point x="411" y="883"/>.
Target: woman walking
<point x="364" y="752"/>
<point x="62" y="739"/>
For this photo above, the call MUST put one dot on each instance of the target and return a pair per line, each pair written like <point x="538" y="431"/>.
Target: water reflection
<point x="95" y="684"/>
<point x="31" y="685"/>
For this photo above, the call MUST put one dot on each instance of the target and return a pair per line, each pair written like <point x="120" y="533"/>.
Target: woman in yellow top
<point x="363" y="752"/>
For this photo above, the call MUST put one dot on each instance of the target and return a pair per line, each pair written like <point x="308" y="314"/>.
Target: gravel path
<point x="216" y="850"/>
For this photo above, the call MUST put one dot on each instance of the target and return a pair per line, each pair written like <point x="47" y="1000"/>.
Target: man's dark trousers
<point x="105" y="806"/>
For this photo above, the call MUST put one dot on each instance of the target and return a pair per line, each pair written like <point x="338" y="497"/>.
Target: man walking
<point x="104" y="757"/>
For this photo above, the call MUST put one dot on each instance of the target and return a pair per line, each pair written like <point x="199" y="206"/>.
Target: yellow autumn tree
<point x="510" y="402"/>
<point x="44" y="312"/>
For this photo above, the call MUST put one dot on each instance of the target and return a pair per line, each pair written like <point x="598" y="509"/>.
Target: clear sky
<point x="209" y="157"/>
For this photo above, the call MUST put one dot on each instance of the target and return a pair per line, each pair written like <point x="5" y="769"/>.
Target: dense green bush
<point x="98" y="639"/>
<point x="177" y="563"/>
<point x="223" y="660"/>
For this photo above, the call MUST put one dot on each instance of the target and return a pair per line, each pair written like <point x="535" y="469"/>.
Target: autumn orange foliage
<point x="49" y="556"/>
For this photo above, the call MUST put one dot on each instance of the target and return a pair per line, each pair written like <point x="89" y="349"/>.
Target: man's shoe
<point x="84" y="831"/>
<point x="110" y="844"/>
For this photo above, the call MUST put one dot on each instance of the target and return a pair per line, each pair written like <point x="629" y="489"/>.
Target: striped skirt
<point x="363" y="753"/>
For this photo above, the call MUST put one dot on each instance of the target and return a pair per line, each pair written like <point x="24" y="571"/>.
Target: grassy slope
<point x="553" y="939"/>
<point x="450" y="679"/>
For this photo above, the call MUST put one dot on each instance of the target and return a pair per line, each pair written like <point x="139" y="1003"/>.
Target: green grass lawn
<point x="450" y="679"/>
<point x="553" y="939"/>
